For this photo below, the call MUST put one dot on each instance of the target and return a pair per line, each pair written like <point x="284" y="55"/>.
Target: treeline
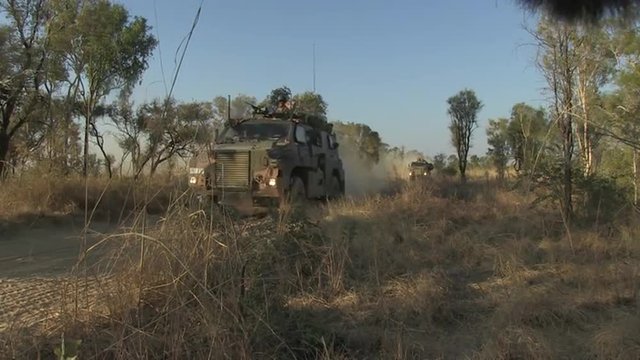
<point x="584" y="144"/>
<point x="62" y="60"/>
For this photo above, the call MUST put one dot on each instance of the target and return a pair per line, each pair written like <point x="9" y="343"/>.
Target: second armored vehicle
<point x="419" y="169"/>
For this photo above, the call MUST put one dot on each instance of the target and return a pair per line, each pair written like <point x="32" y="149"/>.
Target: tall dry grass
<point x="433" y="271"/>
<point x="48" y="196"/>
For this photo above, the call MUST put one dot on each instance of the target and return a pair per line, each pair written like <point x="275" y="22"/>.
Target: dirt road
<point x="35" y="263"/>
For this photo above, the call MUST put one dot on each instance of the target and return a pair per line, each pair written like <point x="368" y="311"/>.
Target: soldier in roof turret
<point x="282" y="106"/>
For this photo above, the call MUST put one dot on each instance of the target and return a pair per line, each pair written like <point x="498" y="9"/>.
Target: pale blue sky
<point x="388" y="64"/>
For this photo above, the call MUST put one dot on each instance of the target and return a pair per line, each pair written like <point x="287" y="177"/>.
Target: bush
<point x="600" y="198"/>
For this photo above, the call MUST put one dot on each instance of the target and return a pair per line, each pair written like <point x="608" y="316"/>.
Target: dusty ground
<point x="37" y="264"/>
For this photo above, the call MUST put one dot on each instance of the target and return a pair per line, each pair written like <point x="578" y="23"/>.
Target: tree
<point x="172" y="129"/>
<point x="526" y="136"/>
<point x="622" y="108"/>
<point x="130" y="131"/>
<point x="474" y="161"/>
<point x="439" y="162"/>
<point x="22" y="68"/>
<point x="498" y="141"/>
<point x="26" y="143"/>
<point x="104" y="49"/>
<point x="595" y="65"/>
<point x="362" y="139"/>
<point x="52" y="136"/>
<point x="310" y="102"/>
<point x="241" y="107"/>
<point x="463" y="112"/>
<point x="159" y="131"/>
<point x="558" y="62"/>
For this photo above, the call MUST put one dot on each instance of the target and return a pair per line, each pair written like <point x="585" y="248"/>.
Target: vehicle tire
<point x="298" y="193"/>
<point x="335" y="188"/>
<point x="194" y="203"/>
<point x="296" y="196"/>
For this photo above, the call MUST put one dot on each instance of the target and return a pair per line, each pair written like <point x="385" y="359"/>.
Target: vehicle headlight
<point x="410" y="173"/>
<point x="282" y="141"/>
<point x="425" y="173"/>
<point x="196" y="171"/>
<point x="272" y="182"/>
<point x="193" y="180"/>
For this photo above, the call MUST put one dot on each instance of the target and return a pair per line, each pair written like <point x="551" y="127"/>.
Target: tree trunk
<point x="66" y="153"/>
<point x="462" y="168"/>
<point x="4" y="153"/>
<point x="153" y="168"/>
<point x="107" y="160"/>
<point x="100" y="143"/>
<point x="567" y="130"/>
<point x="584" y="136"/>
<point x="88" y="121"/>
<point x="85" y="154"/>
<point x="635" y="177"/>
<point x="567" y="206"/>
<point x="123" y="158"/>
<point x="589" y="151"/>
<point x="462" y="162"/>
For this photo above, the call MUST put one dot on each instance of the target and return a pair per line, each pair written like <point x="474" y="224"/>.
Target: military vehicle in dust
<point x="268" y="159"/>
<point x="419" y="169"/>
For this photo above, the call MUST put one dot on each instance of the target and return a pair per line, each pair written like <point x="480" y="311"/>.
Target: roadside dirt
<point x="36" y="266"/>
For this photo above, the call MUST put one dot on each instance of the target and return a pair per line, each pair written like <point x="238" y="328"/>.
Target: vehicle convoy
<point x="268" y="158"/>
<point x="419" y="169"/>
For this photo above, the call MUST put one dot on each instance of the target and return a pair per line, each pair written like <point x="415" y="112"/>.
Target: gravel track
<point x="36" y="274"/>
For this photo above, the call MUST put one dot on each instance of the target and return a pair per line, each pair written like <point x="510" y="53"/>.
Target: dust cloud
<point x="361" y="178"/>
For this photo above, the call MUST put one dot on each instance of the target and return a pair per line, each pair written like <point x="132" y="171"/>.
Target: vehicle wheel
<point x="295" y="196"/>
<point x="335" y="189"/>
<point x="297" y="191"/>
<point x="194" y="203"/>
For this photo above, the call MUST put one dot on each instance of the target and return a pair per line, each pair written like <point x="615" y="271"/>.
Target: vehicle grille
<point x="232" y="169"/>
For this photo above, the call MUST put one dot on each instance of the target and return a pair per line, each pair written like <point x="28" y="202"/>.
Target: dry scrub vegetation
<point x="440" y="271"/>
<point x="34" y="196"/>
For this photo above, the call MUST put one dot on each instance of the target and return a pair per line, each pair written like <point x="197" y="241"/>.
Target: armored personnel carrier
<point x="419" y="169"/>
<point x="268" y="159"/>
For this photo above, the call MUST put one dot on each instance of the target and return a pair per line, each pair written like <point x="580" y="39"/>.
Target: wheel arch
<point x="301" y="173"/>
<point x="340" y="175"/>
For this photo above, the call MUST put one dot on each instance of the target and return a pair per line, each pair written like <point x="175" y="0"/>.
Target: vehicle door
<point x="303" y="147"/>
<point x="315" y="144"/>
<point x="332" y="153"/>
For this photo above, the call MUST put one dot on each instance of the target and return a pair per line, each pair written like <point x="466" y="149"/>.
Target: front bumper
<point x="264" y="196"/>
<point x="418" y="176"/>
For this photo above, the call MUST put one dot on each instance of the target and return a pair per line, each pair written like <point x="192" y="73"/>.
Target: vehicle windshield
<point x="254" y="131"/>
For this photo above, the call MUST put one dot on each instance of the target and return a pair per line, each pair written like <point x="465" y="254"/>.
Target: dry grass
<point x="441" y="271"/>
<point x="48" y="196"/>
